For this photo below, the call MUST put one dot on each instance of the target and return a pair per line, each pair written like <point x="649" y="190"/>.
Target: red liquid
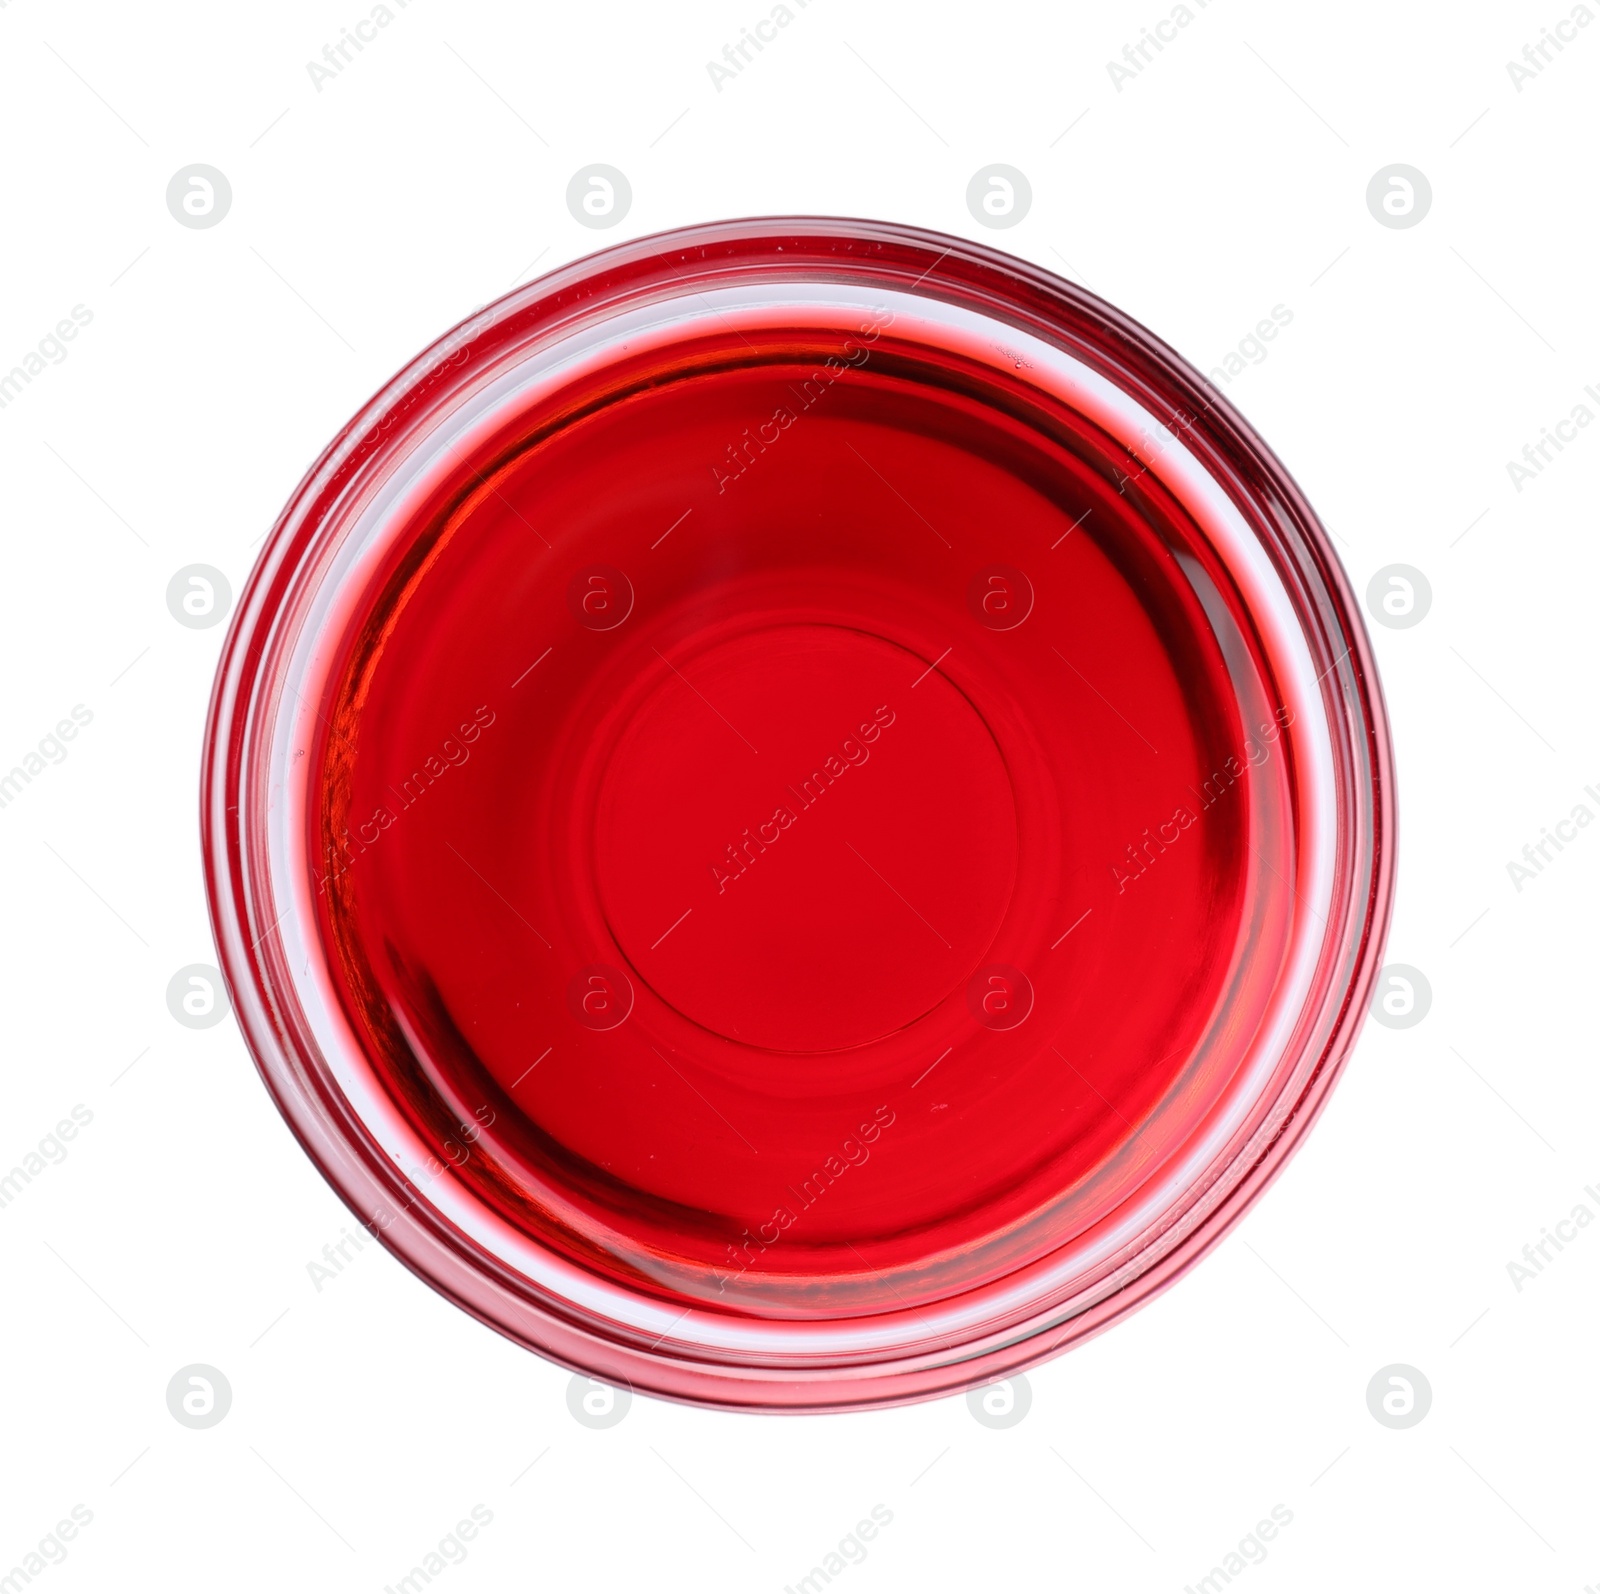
<point x="782" y="831"/>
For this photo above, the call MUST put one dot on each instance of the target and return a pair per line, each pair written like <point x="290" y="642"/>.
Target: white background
<point x="366" y="219"/>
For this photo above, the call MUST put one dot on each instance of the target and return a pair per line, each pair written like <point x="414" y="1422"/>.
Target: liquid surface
<point x="787" y="828"/>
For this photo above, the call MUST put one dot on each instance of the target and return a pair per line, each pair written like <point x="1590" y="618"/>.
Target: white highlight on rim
<point x="841" y="307"/>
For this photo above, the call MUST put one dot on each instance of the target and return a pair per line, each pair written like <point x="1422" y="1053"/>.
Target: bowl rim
<point x="231" y="804"/>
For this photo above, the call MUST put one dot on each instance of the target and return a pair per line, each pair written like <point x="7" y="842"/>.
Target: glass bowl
<point x="798" y="815"/>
